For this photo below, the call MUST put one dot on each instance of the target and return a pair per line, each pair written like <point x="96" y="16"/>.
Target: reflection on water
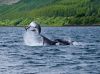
<point x="81" y="58"/>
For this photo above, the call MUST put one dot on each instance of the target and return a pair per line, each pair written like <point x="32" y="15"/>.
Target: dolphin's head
<point x="34" y="27"/>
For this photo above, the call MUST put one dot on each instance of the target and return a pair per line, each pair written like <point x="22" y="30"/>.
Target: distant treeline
<point x="53" y="21"/>
<point x="51" y="12"/>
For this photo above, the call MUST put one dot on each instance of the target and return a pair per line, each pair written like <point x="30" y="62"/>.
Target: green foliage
<point x="51" y="12"/>
<point x="53" y="21"/>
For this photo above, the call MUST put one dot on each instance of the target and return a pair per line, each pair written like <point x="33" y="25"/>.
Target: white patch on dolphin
<point x="32" y="39"/>
<point x="32" y="36"/>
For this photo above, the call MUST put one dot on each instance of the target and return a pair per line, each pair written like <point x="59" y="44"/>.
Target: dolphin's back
<point x="47" y="41"/>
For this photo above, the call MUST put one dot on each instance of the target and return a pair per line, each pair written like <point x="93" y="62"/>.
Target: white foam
<point x="82" y="43"/>
<point x="76" y="43"/>
<point x="32" y="39"/>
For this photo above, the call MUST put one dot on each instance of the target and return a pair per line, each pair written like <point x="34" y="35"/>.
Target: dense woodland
<point x="51" y="12"/>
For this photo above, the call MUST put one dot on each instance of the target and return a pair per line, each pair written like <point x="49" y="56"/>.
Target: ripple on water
<point x="82" y="58"/>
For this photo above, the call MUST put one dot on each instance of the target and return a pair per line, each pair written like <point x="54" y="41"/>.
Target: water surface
<point x="81" y="58"/>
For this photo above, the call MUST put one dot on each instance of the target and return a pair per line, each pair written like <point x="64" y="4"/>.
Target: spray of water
<point x="32" y="39"/>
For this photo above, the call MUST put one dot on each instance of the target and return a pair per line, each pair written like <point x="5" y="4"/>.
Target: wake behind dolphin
<point x="33" y="37"/>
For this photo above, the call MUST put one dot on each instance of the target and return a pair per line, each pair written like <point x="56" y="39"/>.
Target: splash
<point x="78" y="43"/>
<point x="75" y="43"/>
<point x="32" y="39"/>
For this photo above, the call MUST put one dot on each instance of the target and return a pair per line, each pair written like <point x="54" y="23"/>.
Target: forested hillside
<point x="51" y="12"/>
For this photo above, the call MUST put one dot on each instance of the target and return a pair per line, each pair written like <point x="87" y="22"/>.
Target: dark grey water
<point x="81" y="58"/>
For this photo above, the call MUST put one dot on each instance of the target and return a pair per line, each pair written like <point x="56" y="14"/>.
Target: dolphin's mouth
<point x="33" y="30"/>
<point x="26" y="28"/>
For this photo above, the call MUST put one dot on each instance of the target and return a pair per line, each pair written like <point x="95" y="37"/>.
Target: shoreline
<point x="61" y="26"/>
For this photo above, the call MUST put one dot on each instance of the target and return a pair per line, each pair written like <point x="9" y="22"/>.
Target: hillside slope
<point x="22" y="7"/>
<point x="69" y="10"/>
<point x="8" y="2"/>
